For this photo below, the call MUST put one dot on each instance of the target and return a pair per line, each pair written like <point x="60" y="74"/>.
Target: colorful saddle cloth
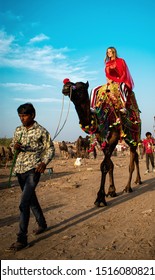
<point x="106" y="102"/>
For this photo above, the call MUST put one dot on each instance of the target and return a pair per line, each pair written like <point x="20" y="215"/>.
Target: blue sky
<point x="43" y="42"/>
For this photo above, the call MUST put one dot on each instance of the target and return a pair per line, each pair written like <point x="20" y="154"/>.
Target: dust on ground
<point x="77" y="229"/>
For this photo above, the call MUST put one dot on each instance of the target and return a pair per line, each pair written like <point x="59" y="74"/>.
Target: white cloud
<point x="5" y="43"/>
<point x="27" y="87"/>
<point x="39" y="38"/>
<point x="39" y="100"/>
<point x="50" y="62"/>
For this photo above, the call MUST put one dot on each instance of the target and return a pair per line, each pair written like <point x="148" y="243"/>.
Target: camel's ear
<point x="87" y="84"/>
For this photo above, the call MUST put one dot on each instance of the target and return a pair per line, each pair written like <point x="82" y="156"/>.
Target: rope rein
<point x="59" y="119"/>
<point x="59" y="130"/>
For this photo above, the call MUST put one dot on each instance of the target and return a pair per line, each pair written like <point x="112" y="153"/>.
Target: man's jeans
<point x="28" y="182"/>
<point x="149" y="157"/>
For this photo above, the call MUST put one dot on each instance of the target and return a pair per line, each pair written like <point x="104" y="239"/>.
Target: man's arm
<point x="48" y="153"/>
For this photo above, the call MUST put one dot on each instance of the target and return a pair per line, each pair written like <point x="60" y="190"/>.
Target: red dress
<point x="117" y="71"/>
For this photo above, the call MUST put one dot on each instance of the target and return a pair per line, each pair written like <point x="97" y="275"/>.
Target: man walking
<point x="148" y="150"/>
<point x="35" y="150"/>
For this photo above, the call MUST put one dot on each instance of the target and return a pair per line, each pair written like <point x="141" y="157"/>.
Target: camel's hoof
<point x="138" y="182"/>
<point x="113" y="194"/>
<point x="128" y="190"/>
<point x="100" y="204"/>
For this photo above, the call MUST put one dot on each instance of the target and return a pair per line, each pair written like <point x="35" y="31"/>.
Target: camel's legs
<point x="100" y="200"/>
<point x="112" y="189"/>
<point x="133" y="160"/>
<point x="107" y="166"/>
<point x="138" y="178"/>
<point x="113" y="141"/>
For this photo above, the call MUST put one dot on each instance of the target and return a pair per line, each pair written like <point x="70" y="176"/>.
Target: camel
<point x="82" y="146"/>
<point x="72" y="151"/>
<point x="6" y="156"/>
<point x="104" y="120"/>
<point x="63" y="149"/>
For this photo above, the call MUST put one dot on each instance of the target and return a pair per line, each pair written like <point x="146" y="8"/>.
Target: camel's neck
<point x="81" y="100"/>
<point x="84" y="114"/>
<point x="86" y="119"/>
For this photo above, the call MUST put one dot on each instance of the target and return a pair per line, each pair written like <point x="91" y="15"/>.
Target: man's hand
<point x="17" y="146"/>
<point x="41" y="167"/>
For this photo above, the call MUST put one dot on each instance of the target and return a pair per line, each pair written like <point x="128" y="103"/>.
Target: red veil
<point x="117" y="71"/>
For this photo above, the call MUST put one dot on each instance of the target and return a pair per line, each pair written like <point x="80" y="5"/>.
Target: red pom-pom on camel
<point x="66" y="80"/>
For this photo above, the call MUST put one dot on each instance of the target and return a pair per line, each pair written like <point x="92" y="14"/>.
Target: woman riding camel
<point x="117" y="71"/>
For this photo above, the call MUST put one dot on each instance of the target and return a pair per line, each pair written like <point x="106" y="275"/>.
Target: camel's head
<point x="77" y="92"/>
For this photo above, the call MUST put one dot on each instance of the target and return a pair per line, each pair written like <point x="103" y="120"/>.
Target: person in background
<point x="148" y="144"/>
<point x="117" y="71"/>
<point x="35" y="150"/>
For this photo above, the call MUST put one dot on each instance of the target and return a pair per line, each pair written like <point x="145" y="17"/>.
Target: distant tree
<point x="5" y="141"/>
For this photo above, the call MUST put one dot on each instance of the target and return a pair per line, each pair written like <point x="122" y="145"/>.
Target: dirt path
<point x="125" y="229"/>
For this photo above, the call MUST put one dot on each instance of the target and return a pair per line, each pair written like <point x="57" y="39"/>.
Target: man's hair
<point x="148" y="133"/>
<point x="26" y="108"/>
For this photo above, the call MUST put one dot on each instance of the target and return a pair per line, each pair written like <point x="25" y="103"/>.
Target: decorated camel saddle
<point x="106" y="102"/>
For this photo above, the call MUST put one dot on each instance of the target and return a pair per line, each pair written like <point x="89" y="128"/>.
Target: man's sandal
<point x="17" y="246"/>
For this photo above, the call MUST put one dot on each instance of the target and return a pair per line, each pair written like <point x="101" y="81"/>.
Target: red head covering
<point x="66" y="80"/>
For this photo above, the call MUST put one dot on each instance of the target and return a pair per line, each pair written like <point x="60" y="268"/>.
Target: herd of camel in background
<point x="78" y="149"/>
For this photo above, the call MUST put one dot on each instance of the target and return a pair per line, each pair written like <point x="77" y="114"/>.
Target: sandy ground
<point x="125" y="229"/>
